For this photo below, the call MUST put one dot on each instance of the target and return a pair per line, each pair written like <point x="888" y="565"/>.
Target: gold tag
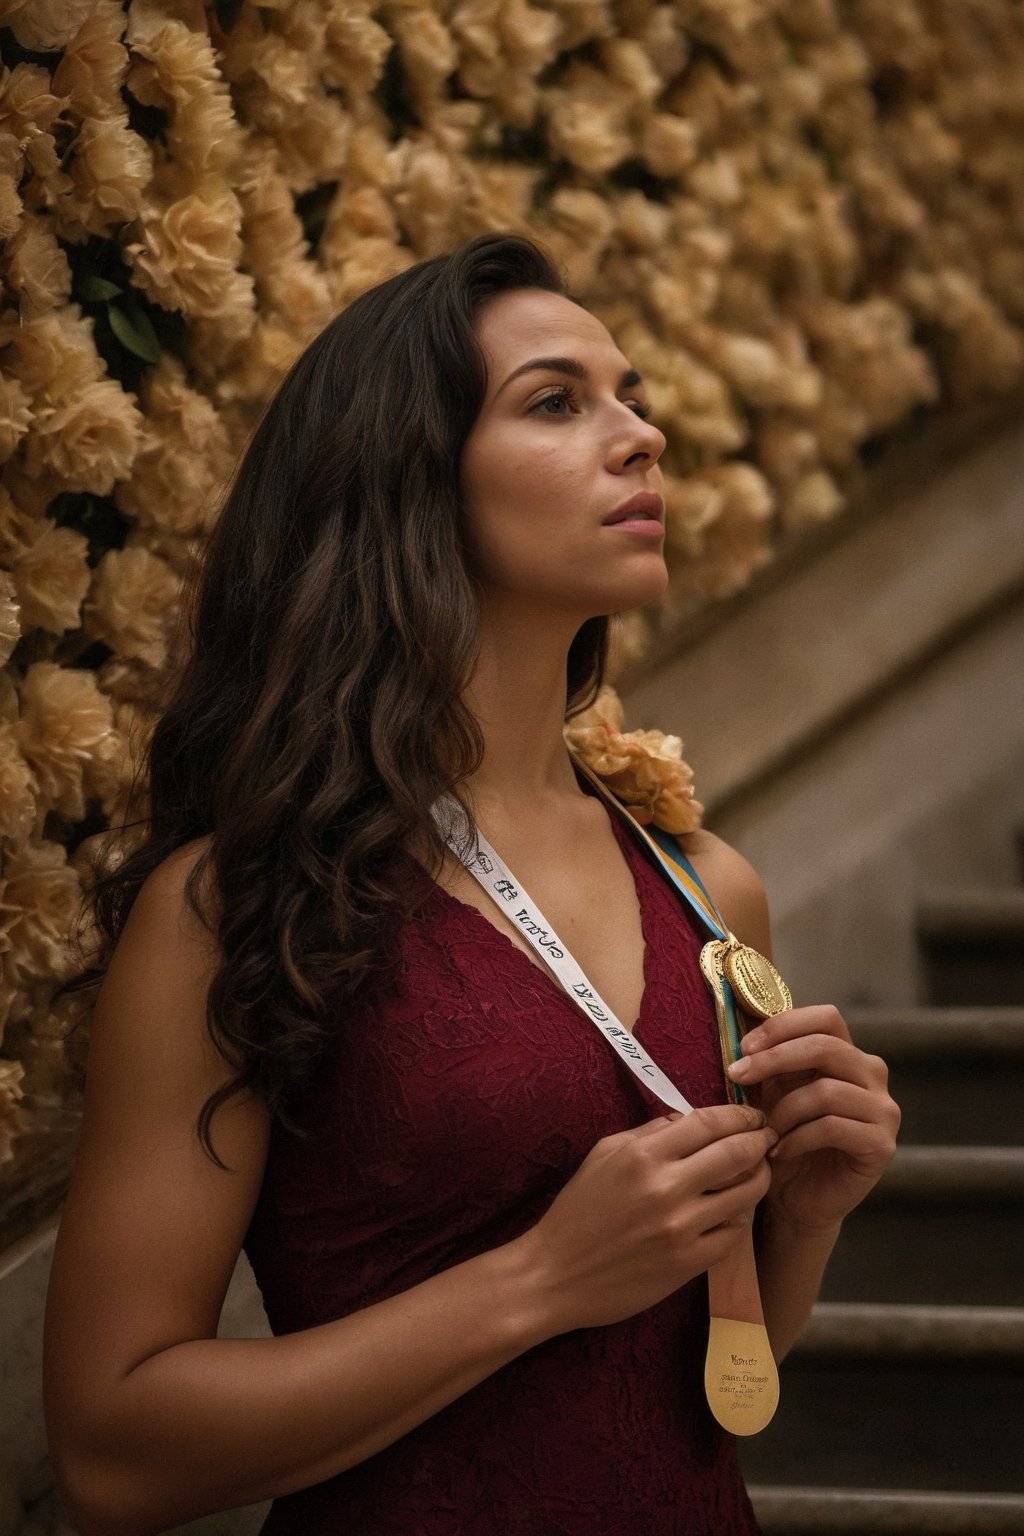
<point x="741" y="1378"/>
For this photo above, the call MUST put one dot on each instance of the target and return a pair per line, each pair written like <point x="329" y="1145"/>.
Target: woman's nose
<point x="640" y="440"/>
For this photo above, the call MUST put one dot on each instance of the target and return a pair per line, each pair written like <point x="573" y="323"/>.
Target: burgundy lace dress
<point x="454" y="1110"/>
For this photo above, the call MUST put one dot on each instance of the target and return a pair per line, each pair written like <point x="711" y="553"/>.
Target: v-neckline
<point x="633" y="863"/>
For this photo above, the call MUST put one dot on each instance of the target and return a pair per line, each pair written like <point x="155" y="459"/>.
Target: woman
<point x="481" y="1245"/>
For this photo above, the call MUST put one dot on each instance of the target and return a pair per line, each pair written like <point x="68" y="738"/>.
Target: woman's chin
<point x="641" y="588"/>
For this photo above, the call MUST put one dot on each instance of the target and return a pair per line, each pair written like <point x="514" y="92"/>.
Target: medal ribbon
<point x="740" y="1376"/>
<point x="488" y="870"/>
<point x="680" y="873"/>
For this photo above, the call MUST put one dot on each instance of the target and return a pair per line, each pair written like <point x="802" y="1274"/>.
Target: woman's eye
<point x="559" y="398"/>
<point x="562" y="401"/>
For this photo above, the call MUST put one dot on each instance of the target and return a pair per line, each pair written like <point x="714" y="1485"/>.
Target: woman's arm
<point x="827" y="1100"/>
<point x="138" y="1388"/>
<point x="152" y="1419"/>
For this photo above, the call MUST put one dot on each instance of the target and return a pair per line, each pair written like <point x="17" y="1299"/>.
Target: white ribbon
<point x="476" y="855"/>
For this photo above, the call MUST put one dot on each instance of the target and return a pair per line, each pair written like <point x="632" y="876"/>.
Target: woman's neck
<point x="517" y="696"/>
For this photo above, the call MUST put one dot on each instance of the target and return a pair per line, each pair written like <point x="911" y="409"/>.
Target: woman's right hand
<point x="646" y="1211"/>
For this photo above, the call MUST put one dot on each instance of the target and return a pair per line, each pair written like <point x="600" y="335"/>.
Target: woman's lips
<point x="641" y="514"/>
<point x="643" y="507"/>
<point x="647" y="527"/>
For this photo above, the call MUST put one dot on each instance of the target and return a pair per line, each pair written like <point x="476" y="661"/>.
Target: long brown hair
<point x="331" y="634"/>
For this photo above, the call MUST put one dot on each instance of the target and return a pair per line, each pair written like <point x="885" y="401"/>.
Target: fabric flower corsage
<point x="645" y="770"/>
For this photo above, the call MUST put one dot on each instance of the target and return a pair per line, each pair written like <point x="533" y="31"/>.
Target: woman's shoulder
<point x="165" y="889"/>
<point x="733" y="883"/>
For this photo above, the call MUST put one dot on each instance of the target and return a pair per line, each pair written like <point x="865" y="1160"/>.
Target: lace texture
<point x="454" y="1109"/>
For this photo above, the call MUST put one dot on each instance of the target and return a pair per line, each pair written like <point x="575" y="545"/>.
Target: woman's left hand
<point x="829" y="1103"/>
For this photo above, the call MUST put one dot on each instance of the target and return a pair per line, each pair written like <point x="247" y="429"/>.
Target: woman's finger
<point x="821" y="1053"/>
<point x="817" y="1019"/>
<point x="825" y="1097"/>
<point x="867" y="1146"/>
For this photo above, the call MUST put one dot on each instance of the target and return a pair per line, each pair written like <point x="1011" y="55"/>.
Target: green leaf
<point x="94" y="289"/>
<point x="134" y="330"/>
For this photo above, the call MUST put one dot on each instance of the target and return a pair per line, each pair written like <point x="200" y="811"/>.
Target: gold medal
<point x="711" y="966"/>
<point x="755" y="980"/>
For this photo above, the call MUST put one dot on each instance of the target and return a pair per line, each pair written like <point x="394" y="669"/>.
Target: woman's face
<point x="555" y="459"/>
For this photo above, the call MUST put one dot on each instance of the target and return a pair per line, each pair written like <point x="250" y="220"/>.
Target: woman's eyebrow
<point x="568" y="365"/>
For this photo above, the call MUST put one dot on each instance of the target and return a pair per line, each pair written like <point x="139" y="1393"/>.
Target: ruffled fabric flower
<point x="51" y="578"/>
<point x="288" y="284"/>
<point x="10" y="626"/>
<point x="717" y="520"/>
<point x="12" y="1117"/>
<point x="18" y="788"/>
<point x="185" y="459"/>
<point x="503" y="46"/>
<point x="89" y="440"/>
<point x="643" y="769"/>
<point x="46" y="24"/>
<point x="11" y="208"/>
<point x="355" y="48"/>
<point x="15" y="415"/>
<point x="92" y="67"/>
<point x="589" y="120"/>
<point x="176" y="69"/>
<point x="52" y="357"/>
<point x="65" y="734"/>
<point x="188" y="256"/>
<point x="39" y="906"/>
<point x="37" y="269"/>
<point x="28" y="105"/>
<point x="132" y="606"/>
<point x="110" y="167"/>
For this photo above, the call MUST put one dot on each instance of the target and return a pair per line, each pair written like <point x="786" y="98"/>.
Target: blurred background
<point x="803" y="221"/>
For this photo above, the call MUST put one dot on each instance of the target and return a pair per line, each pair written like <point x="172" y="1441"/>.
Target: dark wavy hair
<point x="331" y="631"/>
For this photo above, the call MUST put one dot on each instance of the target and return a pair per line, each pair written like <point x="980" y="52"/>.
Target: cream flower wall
<point x="802" y="219"/>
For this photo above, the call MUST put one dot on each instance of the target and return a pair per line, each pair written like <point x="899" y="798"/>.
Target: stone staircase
<point x="902" y="1405"/>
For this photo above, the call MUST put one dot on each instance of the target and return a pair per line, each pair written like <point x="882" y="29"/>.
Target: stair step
<point x="942" y="1227"/>
<point x="881" y="1422"/>
<point x="962" y="913"/>
<point x="956" y="1073"/>
<point x="870" y="1330"/>
<point x="950" y="1173"/>
<point x="802" y="1511"/>
<point x="972" y="945"/>
<point x="919" y="1034"/>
